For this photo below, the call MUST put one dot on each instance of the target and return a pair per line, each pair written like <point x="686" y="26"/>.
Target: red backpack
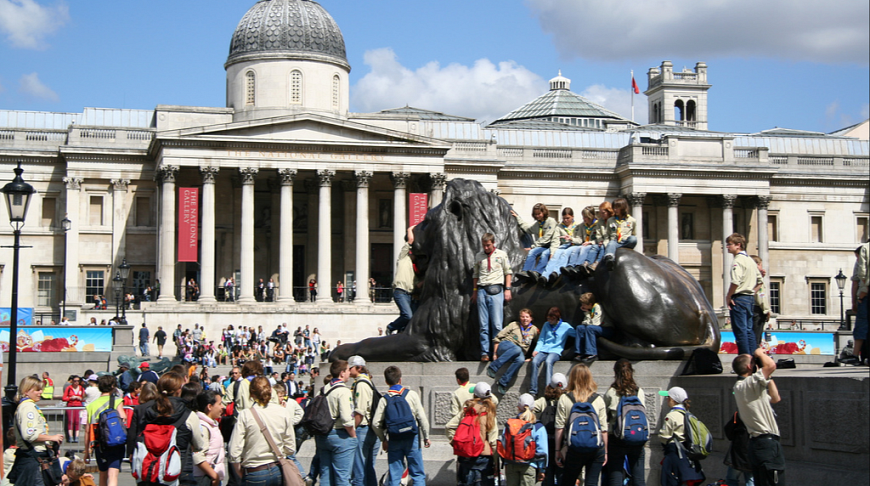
<point x="156" y="458"/>
<point x="517" y="443"/>
<point x="467" y="441"/>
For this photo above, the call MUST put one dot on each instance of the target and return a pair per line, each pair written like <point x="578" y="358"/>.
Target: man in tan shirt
<point x="741" y="294"/>
<point x="406" y="446"/>
<point x="492" y="288"/>
<point x="337" y="448"/>
<point x="403" y="285"/>
<point x="367" y="449"/>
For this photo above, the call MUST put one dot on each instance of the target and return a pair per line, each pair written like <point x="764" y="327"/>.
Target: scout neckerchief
<point x="488" y="257"/>
<point x="590" y="228"/>
<point x="619" y="222"/>
<point x="525" y="332"/>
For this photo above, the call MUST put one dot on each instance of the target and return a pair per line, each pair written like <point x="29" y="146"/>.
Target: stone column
<point x="285" y="264"/>
<point x="207" y="270"/>
<point x="311" y="248"/>
<point x="674" y="227"/>
<point x="400" y="222"/>
<point x="246" y="266"/>
<point x="324" y="237"/>
<point x="636" y="201"/>
<point x="764" y="236"/>
<point x="71" y="272"/>
<point x="119" y="219"/>
<point x="439" y="180"/>
<point x="727" y="229"/>
<point x="166" y="271"/>
<point x="362" y="179"/>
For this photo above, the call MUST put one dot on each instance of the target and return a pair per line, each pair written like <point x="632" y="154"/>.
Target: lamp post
<point x="117" y="286"/>
<point x="66" y="224"/>
<point x="841" y="284"/>
<point x="124" y="269"/>
<point x="17" y="194"/>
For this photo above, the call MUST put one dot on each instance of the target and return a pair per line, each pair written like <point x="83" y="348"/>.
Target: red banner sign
<point x="188" y="223"/>
<point x="419" y="204"/>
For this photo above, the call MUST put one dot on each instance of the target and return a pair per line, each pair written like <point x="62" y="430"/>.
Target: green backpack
<point x="699" y="441"/>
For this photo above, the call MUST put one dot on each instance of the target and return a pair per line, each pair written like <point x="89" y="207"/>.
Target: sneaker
<point x="591" y="359"/>
<point x="501" y="389"/>
<point x="536" y="277"/>
<point x="490" y="373"/>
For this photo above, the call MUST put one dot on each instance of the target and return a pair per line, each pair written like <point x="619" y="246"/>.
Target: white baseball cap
<point x="482" y="390"/>
<point x="526" y="400"/>
<point x="558" y="381"/>
<point x="676" y="394"/>
<point x="356" y="360"/>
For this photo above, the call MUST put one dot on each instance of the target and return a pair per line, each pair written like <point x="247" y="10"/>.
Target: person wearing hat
<point x="528" y="473"/>
<point x="469" y="468"/>
<point x="91" y="392"/>
<point x="147" y="374"/>
<point x="677" y="468"/>
<point x="368" y="444"/>
<point x="545" y="411"/>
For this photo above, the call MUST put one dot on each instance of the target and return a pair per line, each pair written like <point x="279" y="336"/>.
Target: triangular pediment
<point x="307" y="128"/>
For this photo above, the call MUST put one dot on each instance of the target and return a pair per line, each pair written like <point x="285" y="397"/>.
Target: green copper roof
<point x="559" y="102"/>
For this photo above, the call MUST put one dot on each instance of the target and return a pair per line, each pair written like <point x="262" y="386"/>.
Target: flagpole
<point x="632" y="95"/>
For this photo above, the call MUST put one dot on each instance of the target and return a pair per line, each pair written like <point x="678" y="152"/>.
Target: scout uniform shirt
<point x="491" y="269"/>
<point x="459" y="397"/>
<point x="542" y="231"/>
<point x="29" y="424"/>
<point x="362" y="398"/>
<point x="413" y="399"/>
<point x="744" y="274"/>
<point x="583" y="233"/>
<point x="620" y="229"/>
<point x="340" y="404"/>
<point x="861" y="270"/>
<point x="753" y="404"/>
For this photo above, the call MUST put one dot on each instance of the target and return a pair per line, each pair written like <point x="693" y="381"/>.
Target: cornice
<point x="303" y="147"/>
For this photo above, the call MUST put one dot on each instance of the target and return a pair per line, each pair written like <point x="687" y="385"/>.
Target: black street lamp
<point x="66" y="224"/>
<point x="125" y="272"/>
<point x="17" y="195"/>
<point x="117" y="286"/>
<point x="841" y="284"/>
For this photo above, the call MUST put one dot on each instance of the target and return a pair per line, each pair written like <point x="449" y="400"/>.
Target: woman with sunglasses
<point x="73" y="397"/>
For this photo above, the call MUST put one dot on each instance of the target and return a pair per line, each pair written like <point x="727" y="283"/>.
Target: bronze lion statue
<point x="659" y="310"/>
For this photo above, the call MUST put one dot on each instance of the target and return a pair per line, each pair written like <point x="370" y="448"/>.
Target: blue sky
<point x="797" y="63"/>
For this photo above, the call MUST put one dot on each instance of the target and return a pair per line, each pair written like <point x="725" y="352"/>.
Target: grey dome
<point x="287" y="29"/>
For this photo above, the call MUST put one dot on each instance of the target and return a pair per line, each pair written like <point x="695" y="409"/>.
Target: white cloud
<point x="26" y="22"/>
<point x="484" y="91"/>
<point x="619" y="101"/>
<point x="30" y="85"/>
<point x="806" y="30"/>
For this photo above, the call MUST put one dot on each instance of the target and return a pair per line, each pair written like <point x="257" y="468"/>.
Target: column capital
<point x="362" y="178"/>
<point x="728" y="201"/>
<point x="248" y="174"/>
<point x="439" y="180"/>
<point x="325" y="176"/>
<point x="287" y="176"/>
<point x="764" y="202"/>
<point x="208" y="174"/>
<point x="400" y="179"/>
<point x="73" y="183"/>
<point x="120" y="184"/>
<point x="674" y="200"/>
<point x="166" y="174"/>
<point x="636" y="198"/>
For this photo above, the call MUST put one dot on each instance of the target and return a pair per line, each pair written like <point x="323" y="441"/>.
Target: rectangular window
<point x="49" y="212"/>
<point x="141" y="281"/>
<point x="816" y="229"/>
<point x="94" y="284"/>
<point x="46" y="289"/>
<point x="775" y="294"/>
<point x="773" y="227"/>
<point x="143" y="211"/>
<point x="862" y="229"/>
<point x="818" y="298"/>
<point x="95" y="211"/>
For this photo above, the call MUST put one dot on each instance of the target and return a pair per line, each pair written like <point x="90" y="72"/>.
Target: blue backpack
<point x="632" y="426"/>
<point x="399" y="419"/>
<point x="584" y="428"/>
<point x="113" y="431"/>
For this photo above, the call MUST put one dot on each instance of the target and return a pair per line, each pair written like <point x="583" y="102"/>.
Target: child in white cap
<point x="677" y="468"/>
<point x="545" y="410"/>
<point x="473" y="470"/>
<point x="527" y="473"/>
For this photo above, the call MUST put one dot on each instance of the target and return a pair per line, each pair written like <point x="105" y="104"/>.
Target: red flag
<point x="634" y="85"/>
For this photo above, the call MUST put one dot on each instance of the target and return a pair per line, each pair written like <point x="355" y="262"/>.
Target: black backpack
<point x="548" y="418"/>
<point x="704" y="361"/>
<point x="376" y="396"/>
<point x="318" y="419"/>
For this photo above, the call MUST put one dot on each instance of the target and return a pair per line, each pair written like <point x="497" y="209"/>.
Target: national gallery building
<point x="285" y="184"/>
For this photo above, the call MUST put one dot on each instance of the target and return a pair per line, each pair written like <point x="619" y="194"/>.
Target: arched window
<point x="336" y="92"/>
<point x="296" y="87"/>
<point x="690" y="110"/>
<point x="678" y="111"/>
<point x="250" y="88"/>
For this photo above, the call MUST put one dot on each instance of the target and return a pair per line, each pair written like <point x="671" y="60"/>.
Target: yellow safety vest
<point x="48" y="391"/>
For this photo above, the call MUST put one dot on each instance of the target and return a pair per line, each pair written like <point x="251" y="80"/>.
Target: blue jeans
<point x="586" y="339"/>
<point x="298" y="465"/>
<point x="490" y="313"/>
<point x="143" y="348"/>
<point x="336" y="451"/>
<point x="364" y="459"/>
<point x="534" y="253"/>
<point x="508" y="353"/>
<point x="559" y="260"/>
<point x="580" y="253"/>
<point x="403" y="302"/>
<point x="596" y="254"/>
<point x="549" y="358"/>
<point x="629" y="242"/>
<point x="398" y="450"/>
<point x="266" y="477"/>
<point x="741" y="323"/>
